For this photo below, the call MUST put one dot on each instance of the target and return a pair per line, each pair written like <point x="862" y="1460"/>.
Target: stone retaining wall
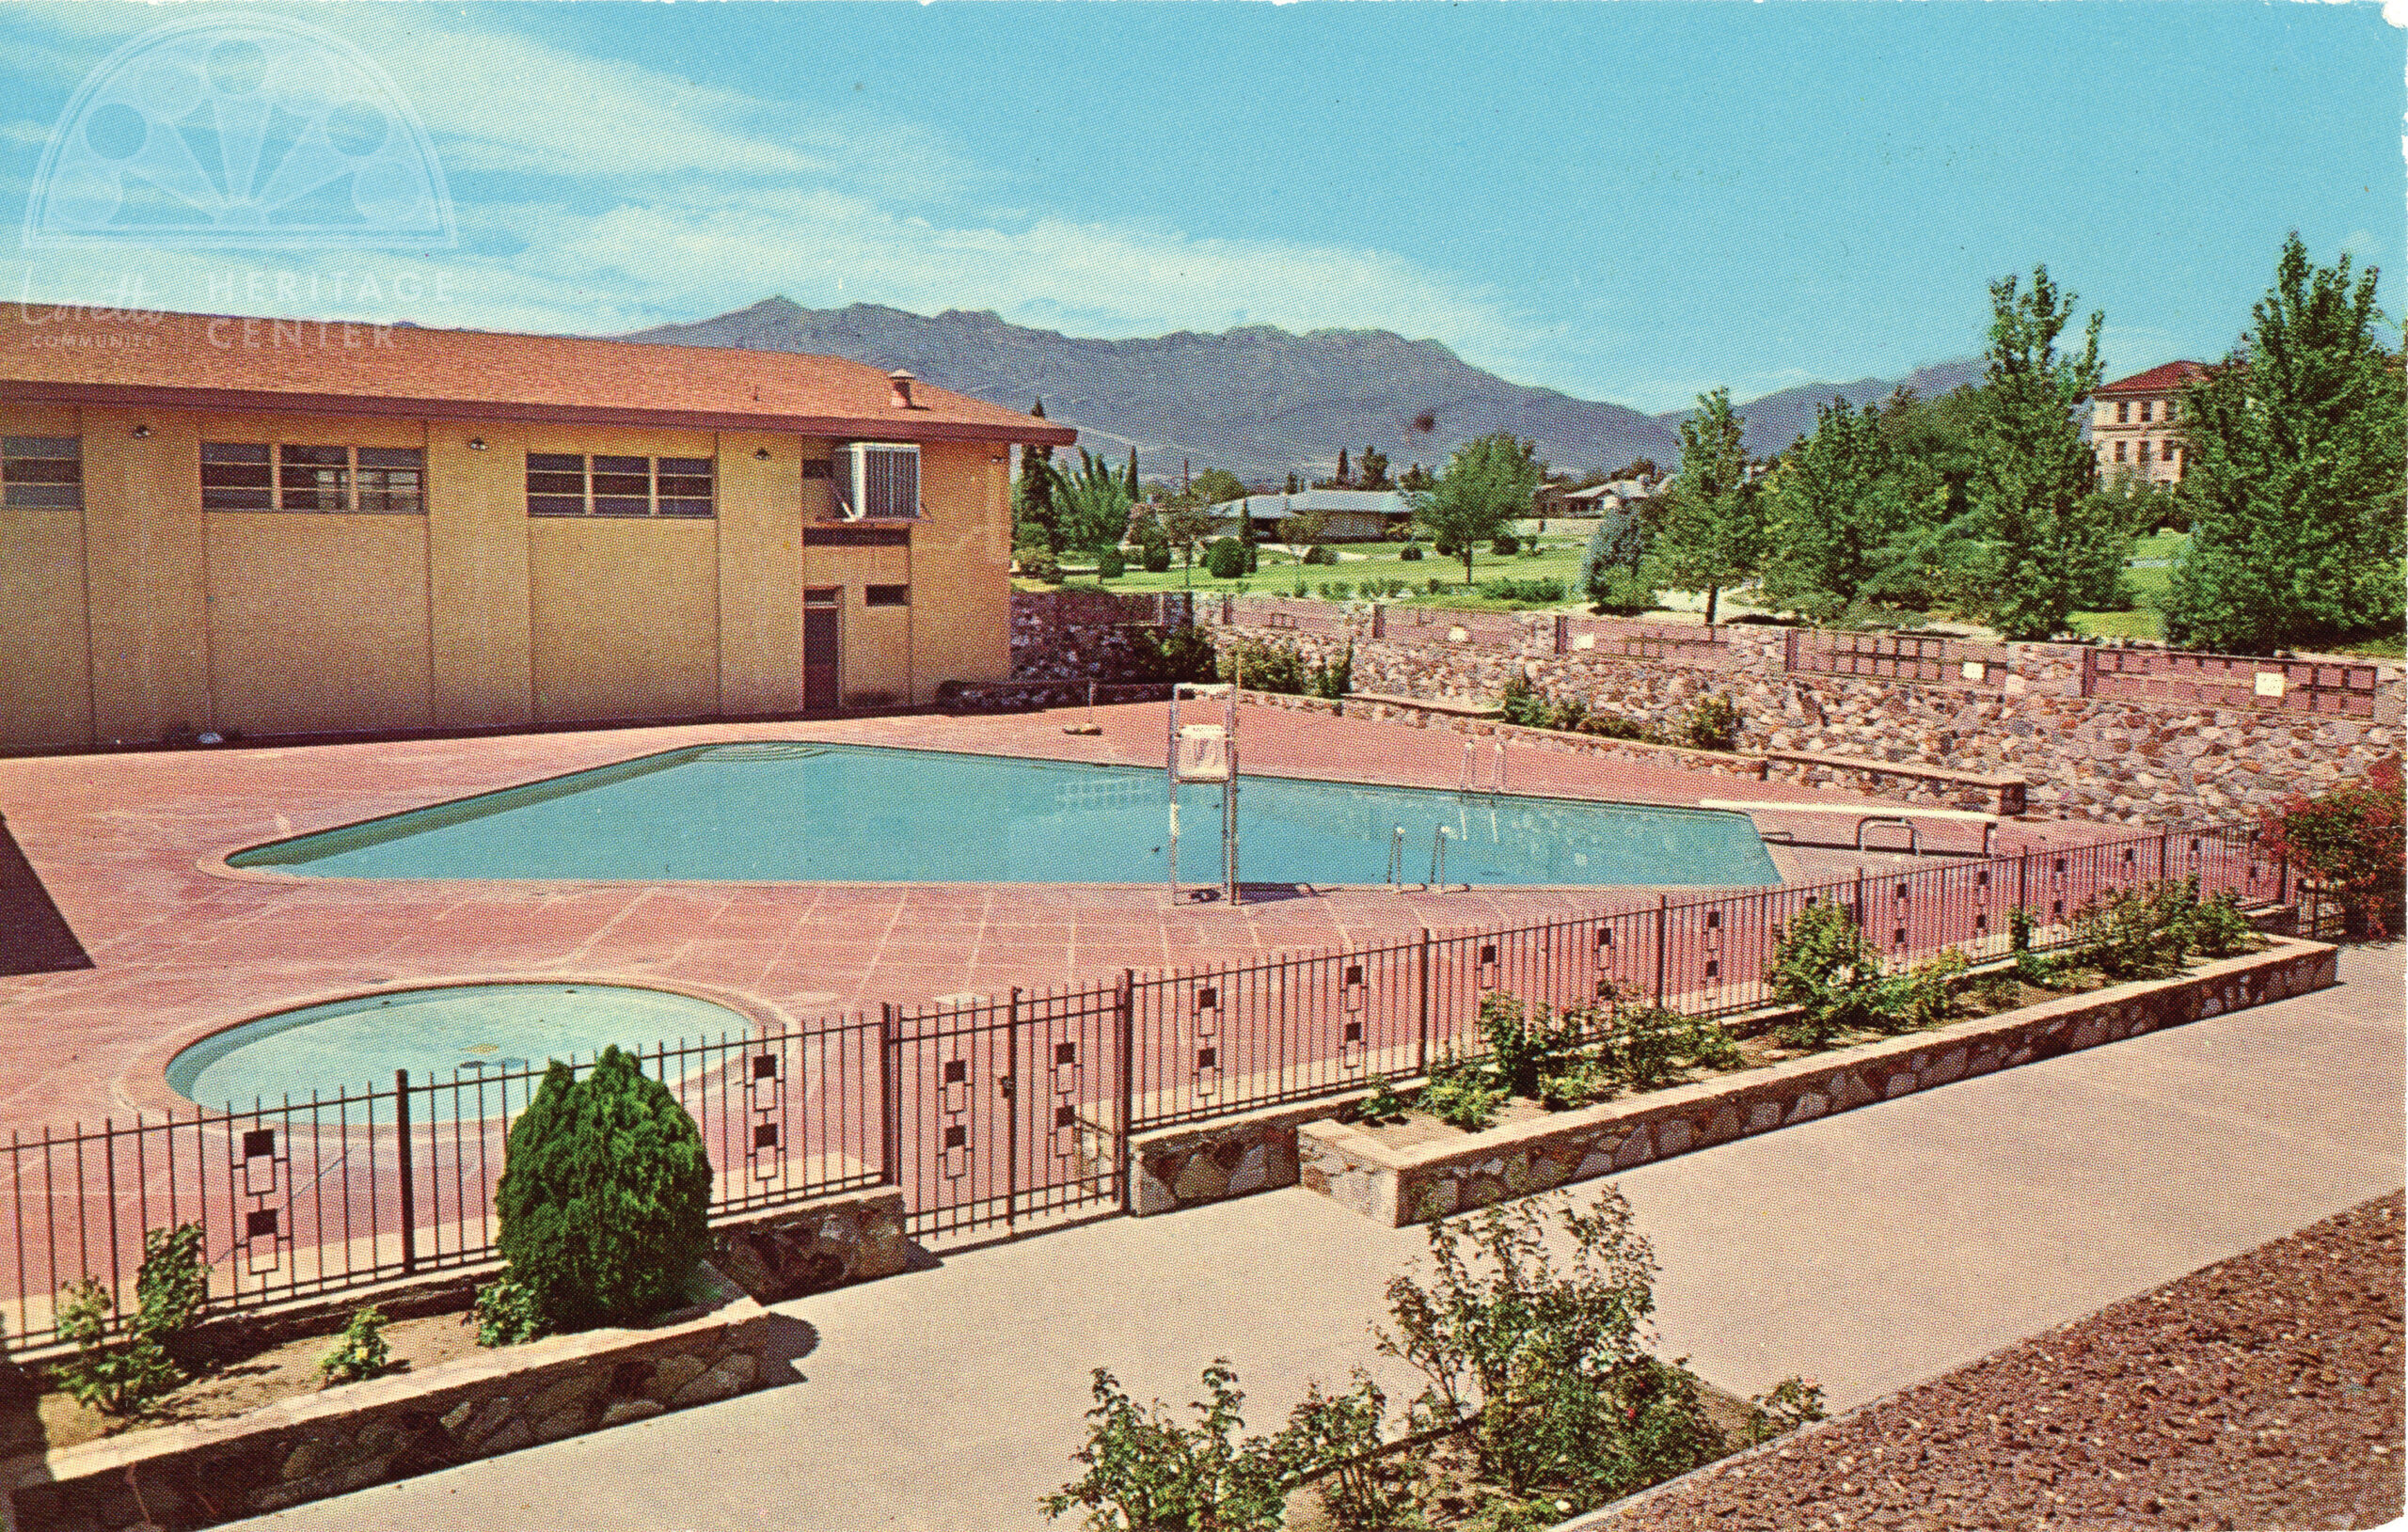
<point x="1398" y="1187"/>
<point x="1229" y="1157"/>
<point x="1083" y="635"/>
<point x="812" y="1246"/>
<point x="2158" y="760"/>
<point x="315" y="1446"/>
<point x="1028" y="696"/>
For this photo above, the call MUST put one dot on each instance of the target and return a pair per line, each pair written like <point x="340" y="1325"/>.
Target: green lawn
<point x="1279" y="574"/>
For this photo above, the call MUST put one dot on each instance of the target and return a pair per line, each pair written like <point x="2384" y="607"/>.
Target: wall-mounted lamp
<point x="762" y="453"/>
<point x="142" y="433"/>
<point x="476" y="444"/>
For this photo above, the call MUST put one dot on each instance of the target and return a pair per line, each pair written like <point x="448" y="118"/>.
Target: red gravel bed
<point x="2264" y="1391"/>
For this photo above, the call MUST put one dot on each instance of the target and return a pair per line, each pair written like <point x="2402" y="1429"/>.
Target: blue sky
<point x="1630" y="202"/>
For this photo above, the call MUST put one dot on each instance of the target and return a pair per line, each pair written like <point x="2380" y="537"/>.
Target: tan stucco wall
<point x="476" y="516"/>
<point x="624" y="619"/>
<point x="148" y="576"/>
<point x="314" y="621"/>
<point x="473" y="615"/>
<point x="45" y="681"/>
<point x="961" y="603"/>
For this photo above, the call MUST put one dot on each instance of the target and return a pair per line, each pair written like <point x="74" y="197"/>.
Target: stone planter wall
<point x="1028" y="696"/>
<point x="812" y="1246"/>
<point x="1083" y="635"/>
<point x="1398" y="1187"/>
<point x="327" y="1444"/>
<point x="2156" y="762"/>
<point x="1228" y="1157"/>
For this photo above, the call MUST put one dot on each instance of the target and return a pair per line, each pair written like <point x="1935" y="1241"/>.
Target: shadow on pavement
<point x="34" y="937"/>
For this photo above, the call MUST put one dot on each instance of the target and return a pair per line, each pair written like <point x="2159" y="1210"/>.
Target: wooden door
<point x="821" y="645"/>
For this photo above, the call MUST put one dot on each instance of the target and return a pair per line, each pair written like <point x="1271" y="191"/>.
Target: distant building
<point x="1611" y="495"/>
<point x="1354" y="515"/>
<point x="2134" y="424"/>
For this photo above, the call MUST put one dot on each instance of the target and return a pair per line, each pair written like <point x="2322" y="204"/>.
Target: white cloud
<point x="637" y="197"/>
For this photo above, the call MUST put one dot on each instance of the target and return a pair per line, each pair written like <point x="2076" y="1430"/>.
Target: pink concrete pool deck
<point x="123" y="846"/>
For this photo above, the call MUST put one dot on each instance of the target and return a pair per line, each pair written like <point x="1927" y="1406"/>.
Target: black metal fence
<point x="996" y="1114"/>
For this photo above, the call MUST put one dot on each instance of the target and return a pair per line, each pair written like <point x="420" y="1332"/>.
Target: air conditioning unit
<point x="878" y="480"/>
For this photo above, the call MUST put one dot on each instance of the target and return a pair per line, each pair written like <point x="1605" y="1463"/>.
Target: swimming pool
<point x="774" y="811"/>
<point x="459" y="1031"/>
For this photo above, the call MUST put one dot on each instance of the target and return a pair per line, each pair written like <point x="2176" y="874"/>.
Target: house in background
<point x="282" y="528"/>
<point x="1613" y="494"/>
<point x="1354" y="515"/>
<point x="2134" y="427"/>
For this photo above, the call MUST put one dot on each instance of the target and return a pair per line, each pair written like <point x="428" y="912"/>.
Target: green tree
<point x="1374" y="471"/>
<point x="1186" y="523"/>
<point x="1033" y="495"/>
<point x="1293" y="487"/>
<point x="1343" y="479"/>
<point x="2055" y="546"/>
<point x="604" y="1194"/>
<point x="1711" y="535"/>
<point x="1130" y="482"/>
<point x="1092" y="504"/>
<point x="1303" y="526"/>
<point x="1487" y="483"/>
<point x="1216" y="486"/>
<point x="1610" y="565"/>
<point x="2294" y="474"/>
<point x="1842" y="511"/>
<point x="1415" y="477"/>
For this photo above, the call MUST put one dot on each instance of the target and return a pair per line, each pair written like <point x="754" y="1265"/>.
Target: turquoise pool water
<point x="851" y="813"/>
<point x="351" y="1044"/>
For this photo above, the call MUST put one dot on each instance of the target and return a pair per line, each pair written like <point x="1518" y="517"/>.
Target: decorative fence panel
<point x="1446" y="625"/>
<point x="1005" y="1111"/>
<point x="1895" y="657"/>
<point x="2234" y="681"/>
<point x="1701" y="649"/>
<point x="999" y="1114"/>
<point x="1326" y="618"/>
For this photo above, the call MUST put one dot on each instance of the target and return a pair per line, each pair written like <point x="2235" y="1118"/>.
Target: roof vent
<point x="901" y="398"/>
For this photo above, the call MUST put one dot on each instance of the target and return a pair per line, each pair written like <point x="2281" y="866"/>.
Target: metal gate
<point x="1009" y="1113"/>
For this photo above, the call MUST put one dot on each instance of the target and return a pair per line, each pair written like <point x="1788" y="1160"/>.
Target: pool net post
<point x="1170" y="780"/>
<point x="1229" y="802"/>
<point x="401" y="1166"/>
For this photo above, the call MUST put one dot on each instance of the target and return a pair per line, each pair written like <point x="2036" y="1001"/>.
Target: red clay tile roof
<point x="2157" y="380"/>
<point x="204" y="361"/>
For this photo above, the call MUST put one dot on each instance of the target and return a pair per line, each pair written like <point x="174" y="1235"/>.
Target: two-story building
<point x="2134" y="424"/>
<point x="214" y="524"/>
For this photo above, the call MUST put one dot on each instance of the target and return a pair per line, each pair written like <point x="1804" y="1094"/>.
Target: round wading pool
<point x="467" y="1029"/>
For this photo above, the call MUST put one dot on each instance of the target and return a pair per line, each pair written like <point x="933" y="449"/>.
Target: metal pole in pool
<point x="1170" y="778"/>
<point x="1229" y="799"/>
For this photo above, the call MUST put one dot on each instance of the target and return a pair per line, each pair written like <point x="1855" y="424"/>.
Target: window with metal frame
<point x="45" y="472"/>
<point x="886" y="595"/>
<point x="312" y="478"/>
<point x="619" y="484"/>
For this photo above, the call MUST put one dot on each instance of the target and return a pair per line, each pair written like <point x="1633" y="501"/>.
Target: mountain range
<point x="1259" y="400"/>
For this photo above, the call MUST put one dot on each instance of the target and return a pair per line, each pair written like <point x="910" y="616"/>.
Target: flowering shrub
<point x="2347" y="838"/>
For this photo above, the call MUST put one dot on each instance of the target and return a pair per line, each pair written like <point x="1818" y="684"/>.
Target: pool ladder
<point x="1470" y="783"/>
<point x="1437" y="858"/>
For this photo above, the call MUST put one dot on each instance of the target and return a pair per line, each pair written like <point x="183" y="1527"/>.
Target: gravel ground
<point x="2264" y="1391"/>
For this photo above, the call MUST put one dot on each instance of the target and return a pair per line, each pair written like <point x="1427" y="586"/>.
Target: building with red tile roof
<point x="255" y="527"/>
<point x="2132" y="424"/>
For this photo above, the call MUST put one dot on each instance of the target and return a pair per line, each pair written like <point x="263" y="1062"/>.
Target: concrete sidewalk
<point x="1869" y="1251"/>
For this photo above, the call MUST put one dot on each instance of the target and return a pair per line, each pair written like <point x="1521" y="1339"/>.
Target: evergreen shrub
<point x="604" y="1195"/>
